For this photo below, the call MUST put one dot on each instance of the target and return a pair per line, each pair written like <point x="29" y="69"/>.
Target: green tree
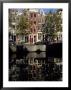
<point x="58" y="20"/>
<point x="49" y="26"/>
<point x="52" y="25"/>
<point x="22" y="25"/>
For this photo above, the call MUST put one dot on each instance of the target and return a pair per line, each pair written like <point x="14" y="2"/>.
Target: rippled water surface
<point x="35" y="67"/>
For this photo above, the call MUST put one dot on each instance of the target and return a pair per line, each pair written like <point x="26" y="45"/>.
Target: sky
<point x="46" y="11"/>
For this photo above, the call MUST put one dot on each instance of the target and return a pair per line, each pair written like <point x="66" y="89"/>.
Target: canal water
<point x="35" y="67"/>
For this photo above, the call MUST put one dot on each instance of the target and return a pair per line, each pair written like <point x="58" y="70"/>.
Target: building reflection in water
<point x="35" y="67"/>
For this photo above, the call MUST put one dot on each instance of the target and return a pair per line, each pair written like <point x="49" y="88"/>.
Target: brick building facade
<point x="36" y="19"/>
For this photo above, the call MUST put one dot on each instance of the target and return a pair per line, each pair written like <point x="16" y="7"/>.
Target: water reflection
<point x="35" y="67"/>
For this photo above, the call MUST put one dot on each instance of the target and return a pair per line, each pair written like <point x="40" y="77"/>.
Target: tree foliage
<point x="53" y="24"/>
<point x="23" y="25"/>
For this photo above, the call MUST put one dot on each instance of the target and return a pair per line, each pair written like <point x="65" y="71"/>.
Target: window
<point x="34" y="15"/>
<point x="39" y="20"/>
<point x="34" y="38"/>
<point x="34" y="30"/>
<point x="31" y="30"/>
<point x="31" y="39"/>
<point x="26" y="39"/>
<point x="39" y="36"/>
<point x="34" y="22"/>
<point x="31" y="14"/>
<point x="39" y="27"/>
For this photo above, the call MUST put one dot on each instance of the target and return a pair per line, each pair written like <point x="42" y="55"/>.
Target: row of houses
<point x="36" y="19"/>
